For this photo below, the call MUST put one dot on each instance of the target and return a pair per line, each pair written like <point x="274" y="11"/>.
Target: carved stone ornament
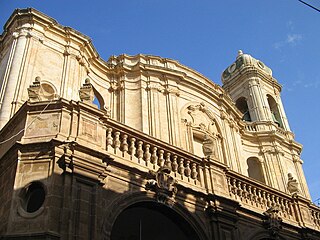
<point x="41" y="91"/>
<point x="273" y="222"/>
<point x="163" y="184"/>
<point x="86" y="93"/>
<point x="293" y="185"/>
<point x="202" y="118"/>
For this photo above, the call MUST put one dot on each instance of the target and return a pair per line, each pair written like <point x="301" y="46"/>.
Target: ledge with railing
<point x="148" y="153"/>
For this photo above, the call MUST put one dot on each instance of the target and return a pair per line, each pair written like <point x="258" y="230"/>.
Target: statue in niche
<point x="292" y="185"/>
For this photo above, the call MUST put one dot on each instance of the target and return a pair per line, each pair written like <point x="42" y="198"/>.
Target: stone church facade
<point x="141" y="147"/>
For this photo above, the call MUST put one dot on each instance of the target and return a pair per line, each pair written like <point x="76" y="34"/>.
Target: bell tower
<point x="255" y="92"/>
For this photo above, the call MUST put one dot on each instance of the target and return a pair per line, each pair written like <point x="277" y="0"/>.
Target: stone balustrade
<point x="252" y="127"/>
<point x="148" y="153"/>
<point x="254" y="195"/>
<point x="138" y="147"/>
<point x="315" y="215"/>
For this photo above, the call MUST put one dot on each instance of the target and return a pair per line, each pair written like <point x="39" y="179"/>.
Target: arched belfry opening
<point x="151" y="220"/>
<point x="255" y="169"/>
<point x="274" y="109"/>
<point x="242" y="105"/>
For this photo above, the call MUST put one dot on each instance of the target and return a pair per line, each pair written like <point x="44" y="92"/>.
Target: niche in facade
<point x="203" y="134"/>
<point x="255" y="169"/>
<point x="275" y="113"/>
<point x="242" y="105"/>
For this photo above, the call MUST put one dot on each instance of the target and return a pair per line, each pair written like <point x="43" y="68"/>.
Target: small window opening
<point x="34" y="197"/>
<point x="242" y="105"/>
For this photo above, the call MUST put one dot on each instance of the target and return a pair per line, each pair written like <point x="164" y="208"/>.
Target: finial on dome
<point x="239" y="53"/>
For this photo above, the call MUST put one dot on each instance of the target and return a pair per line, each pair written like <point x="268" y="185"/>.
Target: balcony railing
<point x="147" y="153"/>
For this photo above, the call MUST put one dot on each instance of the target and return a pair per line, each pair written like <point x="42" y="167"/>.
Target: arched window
<point x="255" y="169"/>
<point x="242" y="105"/>
<point x="275" y="114"/>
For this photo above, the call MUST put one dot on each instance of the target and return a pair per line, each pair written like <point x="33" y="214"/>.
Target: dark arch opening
<point x="274" y="111"/>
<point x="242" y="105"/>
<point x="154" y="221"/>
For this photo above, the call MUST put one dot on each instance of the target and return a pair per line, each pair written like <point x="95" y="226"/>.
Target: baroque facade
<point x="141" y="147"/>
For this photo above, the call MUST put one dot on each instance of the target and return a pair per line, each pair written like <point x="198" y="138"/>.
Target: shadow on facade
<point x="71" y="206"/>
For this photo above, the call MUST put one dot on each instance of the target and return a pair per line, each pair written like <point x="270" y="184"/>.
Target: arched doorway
<point x="148" y="220"/>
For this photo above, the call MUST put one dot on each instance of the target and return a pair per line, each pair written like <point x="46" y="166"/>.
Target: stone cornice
<point x="248" y="72"/>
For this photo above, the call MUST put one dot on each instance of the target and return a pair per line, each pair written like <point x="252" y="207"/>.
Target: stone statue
<point x="293" y="185"/>
<point x="208" y="146"/>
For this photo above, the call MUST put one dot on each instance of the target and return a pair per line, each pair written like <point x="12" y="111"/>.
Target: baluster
<point x="234" y="187"/>
<point x="286" y="207"/>
<point x="109" y="137"/>
<point x="139" y="151"/>
<point x="117" y="142"/>
<point x="174" y="164"/>
<point x="268" y="200"/>
<point x="147" y="154"/>
<point x="187" y="171"/>
<point x="181" y="166"/>
<point x="277" y="202"/>
<point x="154" y="157"/>
<point x="168" y="161"/>
<point x="250" y="193"/>
<point x="161" y="159"/>
<point x="259" y="196"/>
<point x="245" y="192"/>
<point x="194" y="172"/>
<point x="239" y="189"/>
<point x="263" y="198"/>
<point x="132" y="148"/>
<point x="282" y="206"/>
<point x="272" y="200"/>
<point x="255" y="195"/>
<point x="124" y="144"/>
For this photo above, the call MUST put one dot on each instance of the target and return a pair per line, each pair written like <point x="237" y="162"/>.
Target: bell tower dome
<point x="256" y="93"/>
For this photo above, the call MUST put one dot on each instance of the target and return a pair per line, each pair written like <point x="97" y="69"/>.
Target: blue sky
<point x="206" y="35"/>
